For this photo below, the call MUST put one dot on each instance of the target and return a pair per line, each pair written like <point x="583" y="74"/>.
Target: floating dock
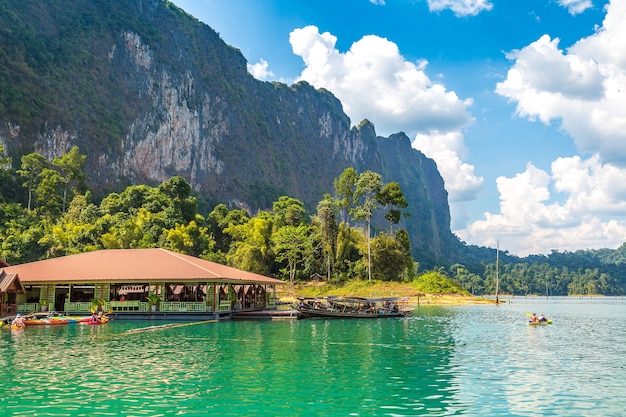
<point x="265" y="315"/>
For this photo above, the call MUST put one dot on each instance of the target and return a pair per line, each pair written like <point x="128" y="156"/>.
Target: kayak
<point x="89" y="320"/>
<point x="46" y="322"/>
<point x="77" y="319"/>
<point x="540" y="323"/>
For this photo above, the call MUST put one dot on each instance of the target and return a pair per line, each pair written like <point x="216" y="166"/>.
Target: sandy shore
<point x="426" y="299"/>
<point x="435" y="299"/>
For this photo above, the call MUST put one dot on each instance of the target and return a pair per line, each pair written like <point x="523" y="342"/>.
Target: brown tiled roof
<point x="8" y="281"/>
<point x="131" y="265"/>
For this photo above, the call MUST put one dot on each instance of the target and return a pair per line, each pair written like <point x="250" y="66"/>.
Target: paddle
<point x="105" y="317"/>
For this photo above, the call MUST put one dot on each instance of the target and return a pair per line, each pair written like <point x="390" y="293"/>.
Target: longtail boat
<point x="349" y="307"/>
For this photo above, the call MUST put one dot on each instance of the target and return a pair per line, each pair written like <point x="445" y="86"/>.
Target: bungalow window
<point x="127" y="292"/>
<point x="32" y="293"/>
<point x="189" y="292"/>
<point x="82" y="293"/>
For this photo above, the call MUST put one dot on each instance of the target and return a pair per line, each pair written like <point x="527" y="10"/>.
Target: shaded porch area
<point x="150" y="298"/>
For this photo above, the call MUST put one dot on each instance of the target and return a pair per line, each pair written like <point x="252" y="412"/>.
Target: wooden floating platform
<point x="169" y="316"/>
<point x="265" y="315"/>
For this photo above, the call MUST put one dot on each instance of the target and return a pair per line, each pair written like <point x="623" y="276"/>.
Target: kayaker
<point x="18" y="321"/>
<point x="542" y="318"/>
<point x="533" y="318"/>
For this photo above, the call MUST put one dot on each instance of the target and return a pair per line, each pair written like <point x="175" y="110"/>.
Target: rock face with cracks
<point x="148" y="92"/>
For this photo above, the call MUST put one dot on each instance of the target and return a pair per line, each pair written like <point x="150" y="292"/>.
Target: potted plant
<point x="153" y="301"/>
<point x="43" y="304"/>
<point x="233" y="298"/>
<point x="97" y="304"/>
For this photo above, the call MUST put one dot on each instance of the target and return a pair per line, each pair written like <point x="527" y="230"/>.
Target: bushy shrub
<point x="436" y="283"/>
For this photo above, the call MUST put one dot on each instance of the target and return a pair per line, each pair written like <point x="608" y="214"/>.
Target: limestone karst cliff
<point x="147" y="92"/>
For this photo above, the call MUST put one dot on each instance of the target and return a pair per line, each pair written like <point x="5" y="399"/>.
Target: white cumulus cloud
<point x="449" y="151"/>
<point x="260" y="70"/>
<point x="532" y="222"/>
<point x="583" y="88"/>
<point x="582" y="202"/>
<point x="575" y="7"/>
<point x="592" y="187"/>
<point x="461" y="7"/>
<point x="375" y="82"/>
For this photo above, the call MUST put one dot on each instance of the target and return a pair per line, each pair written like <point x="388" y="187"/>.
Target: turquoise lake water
<point x="478" y="360"/>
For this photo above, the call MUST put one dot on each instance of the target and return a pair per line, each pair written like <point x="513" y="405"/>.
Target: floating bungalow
<point x="10" y="286"/>
<point x="134" y="284"/>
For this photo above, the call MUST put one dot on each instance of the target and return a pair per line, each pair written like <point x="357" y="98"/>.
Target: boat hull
<point x="306" y="313"/>
<point x="349" y="308"/>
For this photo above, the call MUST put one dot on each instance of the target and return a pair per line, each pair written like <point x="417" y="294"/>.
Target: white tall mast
<point x="497" y="270"/>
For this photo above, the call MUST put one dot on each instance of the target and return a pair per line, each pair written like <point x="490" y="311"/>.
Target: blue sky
<point x="520" y="103"/>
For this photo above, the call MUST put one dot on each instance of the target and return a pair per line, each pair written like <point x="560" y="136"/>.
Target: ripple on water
<point x="472" y="360"/>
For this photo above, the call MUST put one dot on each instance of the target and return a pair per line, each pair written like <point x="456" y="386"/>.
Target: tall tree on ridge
<point x="367" y="191"/>
<point x="32" y="165"/>
<point x="71" y="166"/>
<point x="344" y="190"/>
<point x="327" y="216"/>
<point x="391" y="195"/>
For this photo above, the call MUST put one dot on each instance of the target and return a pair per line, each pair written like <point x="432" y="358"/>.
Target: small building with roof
<point x="10" y="287"/>
<point x="138" y="283"/>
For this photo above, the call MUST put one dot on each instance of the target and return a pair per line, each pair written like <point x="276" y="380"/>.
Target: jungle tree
<point x="327" y="210"/>
<point x="71" y="167"/>
<point x="368" y="186"/>
<point x="32" y="166"/>
<point x="292" y="244"/>
<point x="344" y="190"/>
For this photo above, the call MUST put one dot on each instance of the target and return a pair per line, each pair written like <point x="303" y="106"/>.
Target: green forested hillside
<point x="287" y="241"/>
<point x="600" y="271"/>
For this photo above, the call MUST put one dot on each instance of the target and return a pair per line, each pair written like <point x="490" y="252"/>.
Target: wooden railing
<point x="182" y="306"/>
<point x="224" y="306"/>
<point x="27" y="307"/>
<point x="77" y="306"/>
<point x="127" y="306"/>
